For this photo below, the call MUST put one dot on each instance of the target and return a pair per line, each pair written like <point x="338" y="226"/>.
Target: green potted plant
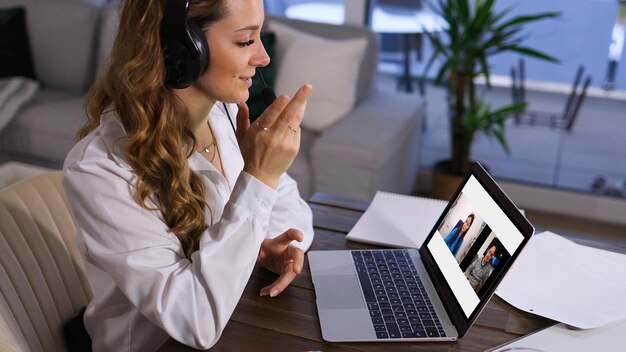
<point x="476" y="31"/>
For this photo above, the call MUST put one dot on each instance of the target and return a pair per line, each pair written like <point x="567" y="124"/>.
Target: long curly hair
<point x="159" y="140"/>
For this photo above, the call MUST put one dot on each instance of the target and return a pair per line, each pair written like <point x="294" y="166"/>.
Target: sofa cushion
<point x="331" y="66"/>
<point x="46" y="128"/>
<point x="369" y="63"/>
<point x="15" y="57"/>
<point x="371" y="149"/>
<point x="62" y="35"/>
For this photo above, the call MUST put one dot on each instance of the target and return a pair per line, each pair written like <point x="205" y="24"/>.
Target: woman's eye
<point x="248" y="43"/>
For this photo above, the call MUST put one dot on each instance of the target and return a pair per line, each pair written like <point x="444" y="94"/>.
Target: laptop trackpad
<point x="338" y="292"/>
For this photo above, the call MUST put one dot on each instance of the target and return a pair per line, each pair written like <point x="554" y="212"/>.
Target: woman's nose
<point x="261" y="58"/>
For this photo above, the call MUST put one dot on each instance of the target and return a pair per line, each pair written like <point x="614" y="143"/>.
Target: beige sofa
<point x="375" y="146"/>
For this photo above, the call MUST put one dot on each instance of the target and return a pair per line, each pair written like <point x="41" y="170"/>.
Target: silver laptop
<point x="431" y="294"/>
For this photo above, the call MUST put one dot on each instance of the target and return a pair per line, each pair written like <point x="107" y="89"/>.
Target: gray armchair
<point x="375" y="146"/>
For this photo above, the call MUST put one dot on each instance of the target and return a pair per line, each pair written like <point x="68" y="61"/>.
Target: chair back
<point x="42" y="274"/>
<point x="573" y="104"/>
<point x="575" y="99"/>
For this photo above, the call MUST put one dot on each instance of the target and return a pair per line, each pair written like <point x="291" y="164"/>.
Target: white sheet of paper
<point x="397" y="220"/>
<point x="559" y="338"/>
<point x="577" y="285"/>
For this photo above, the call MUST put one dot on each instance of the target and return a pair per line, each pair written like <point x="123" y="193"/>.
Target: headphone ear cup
<point x="177" y="59"/>
<point x="186" y="60"/>
<point x="185" y="50"/>
<point x="199" y="42"/>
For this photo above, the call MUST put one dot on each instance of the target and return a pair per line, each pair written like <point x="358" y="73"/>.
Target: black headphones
<point x="185" y="48"/>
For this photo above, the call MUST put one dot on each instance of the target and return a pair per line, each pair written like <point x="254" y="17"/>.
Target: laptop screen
<point x="472" y="245"/>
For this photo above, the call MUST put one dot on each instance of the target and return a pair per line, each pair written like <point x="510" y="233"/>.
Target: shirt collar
<point x="226" y="140"/>
<point x="114" y="137"/>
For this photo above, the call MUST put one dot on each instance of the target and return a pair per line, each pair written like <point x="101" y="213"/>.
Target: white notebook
<point x="397" y="220"/>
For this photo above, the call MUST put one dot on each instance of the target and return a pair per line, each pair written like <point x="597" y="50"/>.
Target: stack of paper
<point x="397" y="220"/>
<point x="577" y="285"/>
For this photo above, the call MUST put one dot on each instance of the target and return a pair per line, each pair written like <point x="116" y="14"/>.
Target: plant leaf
<point x="476" y="31"/>
<point x="532" y="52"/>
<point x="519" y="20"/>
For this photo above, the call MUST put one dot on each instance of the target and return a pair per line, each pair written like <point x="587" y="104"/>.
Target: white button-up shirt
<point x="144" y="288"/>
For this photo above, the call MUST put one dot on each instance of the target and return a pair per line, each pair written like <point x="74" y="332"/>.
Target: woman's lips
<point x="247" y="81"/>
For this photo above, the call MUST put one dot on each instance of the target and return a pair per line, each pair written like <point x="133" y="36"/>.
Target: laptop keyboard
<point x="397" y="301"/>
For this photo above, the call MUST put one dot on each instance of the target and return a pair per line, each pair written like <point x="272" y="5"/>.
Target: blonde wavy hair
<point x="159" y="141"/>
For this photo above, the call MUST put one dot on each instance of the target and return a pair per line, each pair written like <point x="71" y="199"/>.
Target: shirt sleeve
<point x="191" y="301"/>
<point x="291" y="211"/>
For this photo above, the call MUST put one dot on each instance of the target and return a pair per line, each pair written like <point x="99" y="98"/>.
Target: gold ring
<point x="263" y="127"/>
<point x="291" y="128"/>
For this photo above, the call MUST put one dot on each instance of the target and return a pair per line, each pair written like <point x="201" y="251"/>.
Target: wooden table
<point x="289" y="322"/>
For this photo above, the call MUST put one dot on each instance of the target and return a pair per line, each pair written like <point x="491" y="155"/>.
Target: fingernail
<point x="263" y="293"/>
<point x="273" y="293"/>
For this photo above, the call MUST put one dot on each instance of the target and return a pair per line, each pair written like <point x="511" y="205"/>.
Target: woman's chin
<point x="243" y="97"/>
<point x="236" y="99"/>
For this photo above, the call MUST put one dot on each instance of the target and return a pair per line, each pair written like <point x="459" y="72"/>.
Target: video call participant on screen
<point x="480" y="269"/>
<point x="173" y="210"/>
<point x="455" y="238"/>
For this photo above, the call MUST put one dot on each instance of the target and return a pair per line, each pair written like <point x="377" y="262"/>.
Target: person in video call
<point x="480" y="269"/>
<point x="455" y="238"/>
<point x="173" y="208"/>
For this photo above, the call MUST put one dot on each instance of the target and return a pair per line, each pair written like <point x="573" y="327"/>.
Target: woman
<point x="173" y="210"/>
<point x="455" y="238"/>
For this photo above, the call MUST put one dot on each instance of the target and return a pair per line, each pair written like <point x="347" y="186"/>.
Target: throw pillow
<point x="331" y="66"/>
<point x="255" y="101"/>
<point x="15" y="56"/>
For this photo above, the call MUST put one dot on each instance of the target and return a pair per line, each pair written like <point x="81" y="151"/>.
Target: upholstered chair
<point x="42" y="276"/>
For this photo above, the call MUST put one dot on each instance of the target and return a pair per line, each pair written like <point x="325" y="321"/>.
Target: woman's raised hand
<point x="271" y="143"/>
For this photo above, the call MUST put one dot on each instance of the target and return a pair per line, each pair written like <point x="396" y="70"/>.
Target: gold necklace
<point x="210" y="147"/>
